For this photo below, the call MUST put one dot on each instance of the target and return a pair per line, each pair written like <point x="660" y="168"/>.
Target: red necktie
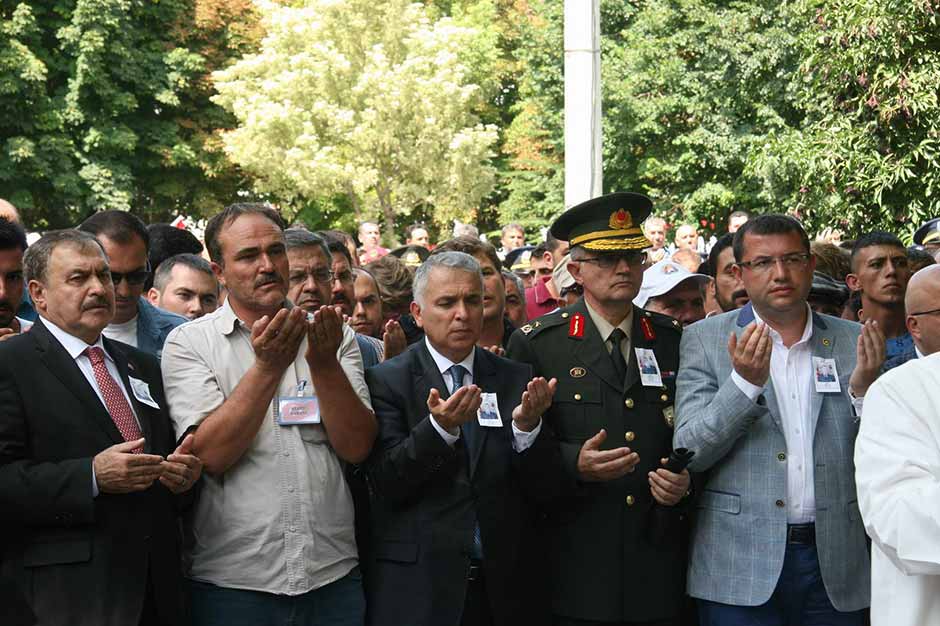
<point x="114" y="398"/>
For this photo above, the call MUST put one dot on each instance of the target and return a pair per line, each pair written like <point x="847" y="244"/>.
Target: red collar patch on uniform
<point x="647" y="328"/>
<point x="576" y="326"/>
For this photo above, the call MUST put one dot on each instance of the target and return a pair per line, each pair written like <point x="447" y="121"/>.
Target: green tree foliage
<point x="103" y="106"/>
<point x="369" y="100"/>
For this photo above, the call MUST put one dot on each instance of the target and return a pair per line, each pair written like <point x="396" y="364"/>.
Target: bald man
<point x="686" y="237"/>
<point x="9" y="211"/>
<point x="922" y="303"/>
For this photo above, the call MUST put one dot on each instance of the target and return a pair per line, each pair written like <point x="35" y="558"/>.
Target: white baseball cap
<point x="662" y="278"/>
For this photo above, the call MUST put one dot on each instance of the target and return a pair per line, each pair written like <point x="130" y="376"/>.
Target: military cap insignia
<point x="620" y="220"/>
<point x="577" y="372"/>
<point x="411" y="258"/>
<point x="647" y="329"/>
<point x="526" y="329"/>
<point x="669" y="414"/>
<point x="576" y="326"/>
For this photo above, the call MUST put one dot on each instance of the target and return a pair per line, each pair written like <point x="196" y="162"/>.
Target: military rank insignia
<point x="647" y="327"/>
<point x="576" y="326"/>
<point x="669" y="414"/>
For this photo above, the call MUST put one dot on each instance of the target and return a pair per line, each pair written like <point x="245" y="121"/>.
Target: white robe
<point x="897" y="472"/>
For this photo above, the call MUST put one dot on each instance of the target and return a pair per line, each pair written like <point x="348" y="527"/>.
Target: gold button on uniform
<point x="630" y="436"/>
<point x="577" y="396"/>
<point x="628" y="403"/>
<point x="630" y="500"/>
<point x="781" y="457"/>
<point x="564" y="315"/>
<point x="664" y="398"/>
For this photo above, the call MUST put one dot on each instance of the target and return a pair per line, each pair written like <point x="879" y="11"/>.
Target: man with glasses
<point x="765" y="399"/>
<point x="880" y="272"/>
<point x="126" y="242"/>
<point x="615" y="536"/>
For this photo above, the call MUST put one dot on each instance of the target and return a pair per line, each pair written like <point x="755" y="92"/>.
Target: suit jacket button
<point x="781" y="457"/>
<point x="780" y="503"/>
<point x="630" y="436"/>
<point x="630" y="500"/>
<point x="577" y="396"/>
<point x="628" y="403"/>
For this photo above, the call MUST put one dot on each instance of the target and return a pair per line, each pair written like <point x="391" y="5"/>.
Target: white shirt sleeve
<point x="448" y="438"/>
<point x="521" y="440"/>
<point x="749" y="389"/>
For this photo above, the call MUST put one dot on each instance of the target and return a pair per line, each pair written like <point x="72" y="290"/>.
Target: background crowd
<point x="590" y="424"/>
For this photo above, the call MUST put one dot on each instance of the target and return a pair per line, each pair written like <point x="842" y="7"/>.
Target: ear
<point x="548" y="258"/>
<point x="416" y="313"/>
<point x="217" y="270"/>
<point x="738" y="272"/>
<point x="574" y="268"/>
<point x="913" y="328"/>
<point x="37" y="293"/>
<point x="852" y="282"/>
<point x="153" y="296"/>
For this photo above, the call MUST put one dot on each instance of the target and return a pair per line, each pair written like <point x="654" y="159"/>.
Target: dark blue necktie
<point x="457" y="372"/>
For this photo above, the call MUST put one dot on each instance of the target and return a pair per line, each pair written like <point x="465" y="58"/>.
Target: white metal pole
<point x="584" y="175"/>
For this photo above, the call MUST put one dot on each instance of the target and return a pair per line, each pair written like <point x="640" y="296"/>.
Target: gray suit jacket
<point x="740" y="533"/>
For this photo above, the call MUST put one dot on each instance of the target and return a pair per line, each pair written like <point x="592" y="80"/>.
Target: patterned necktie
<point x="114" y="398"/>
<point x="616" y="354"/>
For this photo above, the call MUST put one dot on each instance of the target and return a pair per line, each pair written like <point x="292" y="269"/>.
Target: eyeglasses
<point x="343" y="277"/>
<point x="931" y="312"/>
<point x="789" y="261"/>
<point x="321" y="276"/>
<point x="610" y="261"/>
<point x="137" y="277"/>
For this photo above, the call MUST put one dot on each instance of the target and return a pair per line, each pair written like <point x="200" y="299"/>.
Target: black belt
<point x="475" y="571"/>
<point x="802" y="534"/>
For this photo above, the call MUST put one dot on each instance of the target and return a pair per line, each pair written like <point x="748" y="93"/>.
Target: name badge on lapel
<point x="826" y="375"/>
<point x="488" y="413"/>
<point x="141" y="391"/>
<point x="650" y="375"/>
<point x="298" y="409"/>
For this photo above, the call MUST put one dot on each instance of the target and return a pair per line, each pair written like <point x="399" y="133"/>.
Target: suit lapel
<point x="823" y="343"/>
<point x="746" y="317"/>
<point x="63" y="367"/>
<point x="591" y="350"/>
<point x="141" y="410"/>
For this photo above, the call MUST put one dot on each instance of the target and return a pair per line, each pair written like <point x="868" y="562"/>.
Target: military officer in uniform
<point x="614" y="422"/>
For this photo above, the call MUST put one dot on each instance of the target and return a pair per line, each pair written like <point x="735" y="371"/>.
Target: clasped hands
<point x="119" y="470"/>
<point x="463" y="404"/>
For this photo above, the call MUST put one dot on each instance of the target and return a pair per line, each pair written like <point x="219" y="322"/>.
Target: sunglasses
<point x="137" y="277"/>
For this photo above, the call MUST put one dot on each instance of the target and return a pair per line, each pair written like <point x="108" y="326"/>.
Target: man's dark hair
<point x="769" y="224"/>
<point x="166" y="241"/>
<point x="12" y="235"/>
<point x="711" y="263"/>
<point x="875" y="238"/>
<point x="551" y="243"/>
<point x="161" y="277"/>
<point x="335" y="244"/>
<point x="471" y="246"/>
<point x="539" y="250"/>
<point x="831" y="260"/>
<point x="228" y="215"/>
<point x="36" y="259"/>
<point x="917" y="257"/>
<point x="303" y="238"/>
<point x="118" y="226"/>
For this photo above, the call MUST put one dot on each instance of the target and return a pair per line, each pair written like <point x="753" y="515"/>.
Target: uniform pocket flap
<point x="57" y="552"/>
<point x="720" y="501"/>
<point x="401" y="551"/>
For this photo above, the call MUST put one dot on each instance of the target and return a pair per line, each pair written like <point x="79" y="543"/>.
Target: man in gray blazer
<point x="765" y="399"/>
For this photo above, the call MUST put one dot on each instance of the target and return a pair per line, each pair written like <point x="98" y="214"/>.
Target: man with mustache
<point x="276" y="403"/>
<point x="12" y="247"/>
<point x="671" y="289"/>
<point x="880" y="272"/>
<point x="126" y="241"/>
<point x="615" y="533"/>
<point x="725" y="292"/>
<point x="90" y="468"/>
<point x="368" y="318"/>
<point x="767" y="400"/>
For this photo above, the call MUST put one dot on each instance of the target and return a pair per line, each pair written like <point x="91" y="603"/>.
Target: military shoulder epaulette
<point x="663" y="321"/>
<point x="549" y="320"/>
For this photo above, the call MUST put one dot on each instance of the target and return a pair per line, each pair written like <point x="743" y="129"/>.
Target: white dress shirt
<point x="76" y="348"/>
<point x="521" y="440"/>
<point x="897" y="473"/>
<point x="791" y="373"/>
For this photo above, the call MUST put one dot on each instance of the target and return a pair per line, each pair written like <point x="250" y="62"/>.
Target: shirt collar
<point x="604" y="328"/>
<point x="444" y="364"/>
<point x="807" y="330"/>
<point x="72" y="344"/>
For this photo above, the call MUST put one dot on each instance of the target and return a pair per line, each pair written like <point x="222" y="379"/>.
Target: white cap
<point x="662" y="278"/>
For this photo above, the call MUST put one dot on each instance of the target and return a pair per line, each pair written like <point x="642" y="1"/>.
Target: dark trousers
<point x="340" y="603"/>
<point x="800" y="599"/>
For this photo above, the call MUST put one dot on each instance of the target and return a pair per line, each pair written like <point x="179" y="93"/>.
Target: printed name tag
<point x="826" y="375"/>
<point x="650" y="375"/>
<point x="298" y="409"/>
<point x="141" y="391"/>
<point x="488" y="413"/>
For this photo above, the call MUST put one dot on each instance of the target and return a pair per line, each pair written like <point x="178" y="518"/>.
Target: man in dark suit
<point x="616" y="537"/>
<point x="88" y="470"/>
<point x="456" y="469"/>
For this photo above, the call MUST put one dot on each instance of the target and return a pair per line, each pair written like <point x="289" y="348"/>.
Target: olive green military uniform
<point x="604" y="568"/>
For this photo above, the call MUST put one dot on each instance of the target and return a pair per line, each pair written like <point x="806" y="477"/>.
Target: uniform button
<point x="628" y="403"/>
<point x="630" y="500"/>
<point x="577" y="396"/>
<point x="664" y="398"/>
<point x="779" y="503"/>
<point x="630" y="436"/>
<point x="286" y="453"/>
<point x="290" y="488"/>
<point x="564" y="315"/>
<point x="293" y="529"/>
<point x="781" y="457"/>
